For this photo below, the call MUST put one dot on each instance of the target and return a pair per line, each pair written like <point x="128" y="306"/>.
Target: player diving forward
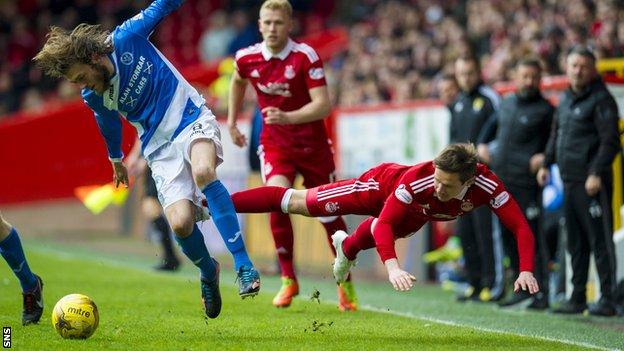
<point x="400" y="200"/>
<point x="123" y="73"/>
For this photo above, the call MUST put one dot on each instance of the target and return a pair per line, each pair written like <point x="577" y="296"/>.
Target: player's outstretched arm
<point x="512" y="218"/>
<point x="144" y="23"/>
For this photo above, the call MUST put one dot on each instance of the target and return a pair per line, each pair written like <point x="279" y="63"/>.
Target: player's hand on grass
<point x="120" y="174"/>
<point x="400" y="279"/>
<point x="274" y="115"/>
<point x="527" y="282"/>
<point x="237" y="137"/>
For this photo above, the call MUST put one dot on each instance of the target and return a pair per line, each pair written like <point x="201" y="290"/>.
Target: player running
<point x="32" y="285"/>
<point x="123" y="73"/>
<point x="400" y="200"/>
<point x="290" y="84"/>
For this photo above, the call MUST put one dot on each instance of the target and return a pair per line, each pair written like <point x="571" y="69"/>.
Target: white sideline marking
<point x="456" y="324"/>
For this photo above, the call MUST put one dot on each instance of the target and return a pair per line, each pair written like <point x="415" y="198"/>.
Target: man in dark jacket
<point x="474" y="107"/>
<point x="522" y="127"/>
<point x="584" y="141"/>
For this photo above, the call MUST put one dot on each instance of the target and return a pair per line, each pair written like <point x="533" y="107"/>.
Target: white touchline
<point x="457" y="324"/>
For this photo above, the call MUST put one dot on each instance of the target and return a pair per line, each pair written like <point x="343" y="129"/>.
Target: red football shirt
<point x="409" y="197"/>
<point x="284" y="81"/>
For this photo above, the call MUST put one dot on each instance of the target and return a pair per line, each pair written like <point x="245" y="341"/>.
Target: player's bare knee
<point x="5" y="228"/>
<point x="204" y="175"/>
<point x="297" y="203"/>
<point x="182" y="226"/>
<point x="151" y="208"/>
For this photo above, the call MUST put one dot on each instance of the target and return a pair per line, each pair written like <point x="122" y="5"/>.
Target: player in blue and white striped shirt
<point x="124" y="73"/>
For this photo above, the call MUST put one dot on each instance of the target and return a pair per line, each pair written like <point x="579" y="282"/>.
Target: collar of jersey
<point x="267" y="54"/>
<point x="461" y="194"/>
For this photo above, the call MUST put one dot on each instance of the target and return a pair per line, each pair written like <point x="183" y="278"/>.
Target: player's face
<point x="447" y="185"/>
<point x="93" y="76"/>
<point x="466" y="74"/>
<point x="580" y="71"/>
<point x="528" y="79"/>
<point x="275" y="25"/>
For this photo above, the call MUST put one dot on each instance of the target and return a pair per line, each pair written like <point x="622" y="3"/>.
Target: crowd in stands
<point x="396" y="50"/>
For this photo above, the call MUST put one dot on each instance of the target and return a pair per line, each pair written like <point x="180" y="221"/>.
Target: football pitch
<point x="144" y="310"/>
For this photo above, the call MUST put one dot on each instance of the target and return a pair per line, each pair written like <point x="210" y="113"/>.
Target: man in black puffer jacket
<point x="522" y="127"/>
<point x="584" y="141"/>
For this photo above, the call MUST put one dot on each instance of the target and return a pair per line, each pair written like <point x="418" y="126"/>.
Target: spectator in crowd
<point x="246" y="32"/>
<point x="522" y="127"/>
<point x="584" y="141"/>
<point x="216" y="39"/>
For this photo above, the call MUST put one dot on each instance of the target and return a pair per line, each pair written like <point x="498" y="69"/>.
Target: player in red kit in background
<point x="400" y="200"/>
<point x="290" y="84"/>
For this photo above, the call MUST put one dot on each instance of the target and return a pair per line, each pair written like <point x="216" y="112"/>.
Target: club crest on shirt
<point x="127" y="58"/>
<point x="403" y="195"/>
<point x="477" y="104"/>
<point x="500" y="200"/>
<point x="289" y="72"/>
<point x="331" y="207"/>
<point x="466" y="206"/>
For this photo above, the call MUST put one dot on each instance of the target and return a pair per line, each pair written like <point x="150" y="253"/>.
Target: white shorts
<point x="171" y="163"/>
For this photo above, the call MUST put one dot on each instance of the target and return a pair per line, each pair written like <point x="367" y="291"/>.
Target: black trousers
<point x="475" y="232"/>
<point x="529" y="200"/>
<point x="589" y="223"/>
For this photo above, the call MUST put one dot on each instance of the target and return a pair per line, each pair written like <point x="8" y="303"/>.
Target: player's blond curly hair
<point x="458" y="158"/>
<point x="283" y="5"/>
<point x="63" y="48"/>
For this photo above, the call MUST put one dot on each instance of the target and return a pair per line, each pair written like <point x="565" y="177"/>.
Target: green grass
<point x="143" y="310"/>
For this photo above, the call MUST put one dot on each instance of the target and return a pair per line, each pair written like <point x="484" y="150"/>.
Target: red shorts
<point x="351" y="196"/>
<point x="315" y="165"/>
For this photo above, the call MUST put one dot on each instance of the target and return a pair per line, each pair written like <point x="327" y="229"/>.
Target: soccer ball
<point x="75" y="316"/>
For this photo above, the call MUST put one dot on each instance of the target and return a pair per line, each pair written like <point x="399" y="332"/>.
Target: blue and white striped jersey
<point x="146" y="89"/>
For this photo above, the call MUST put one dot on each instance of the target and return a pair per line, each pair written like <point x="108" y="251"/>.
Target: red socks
<point x="283" y="237"/>
<point x="361" y="239"/>
<point x="259" y="200"/>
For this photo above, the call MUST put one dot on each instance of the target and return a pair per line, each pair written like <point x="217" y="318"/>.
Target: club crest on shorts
<point x="466" y="206"/>
<point x="403" y="195"/>
<point x="289" y="72"/>
<point x="331" y="207"/>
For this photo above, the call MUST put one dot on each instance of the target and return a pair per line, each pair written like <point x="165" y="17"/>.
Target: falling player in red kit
<point x="290" y="84"/>
<point x="400" y="200"/>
